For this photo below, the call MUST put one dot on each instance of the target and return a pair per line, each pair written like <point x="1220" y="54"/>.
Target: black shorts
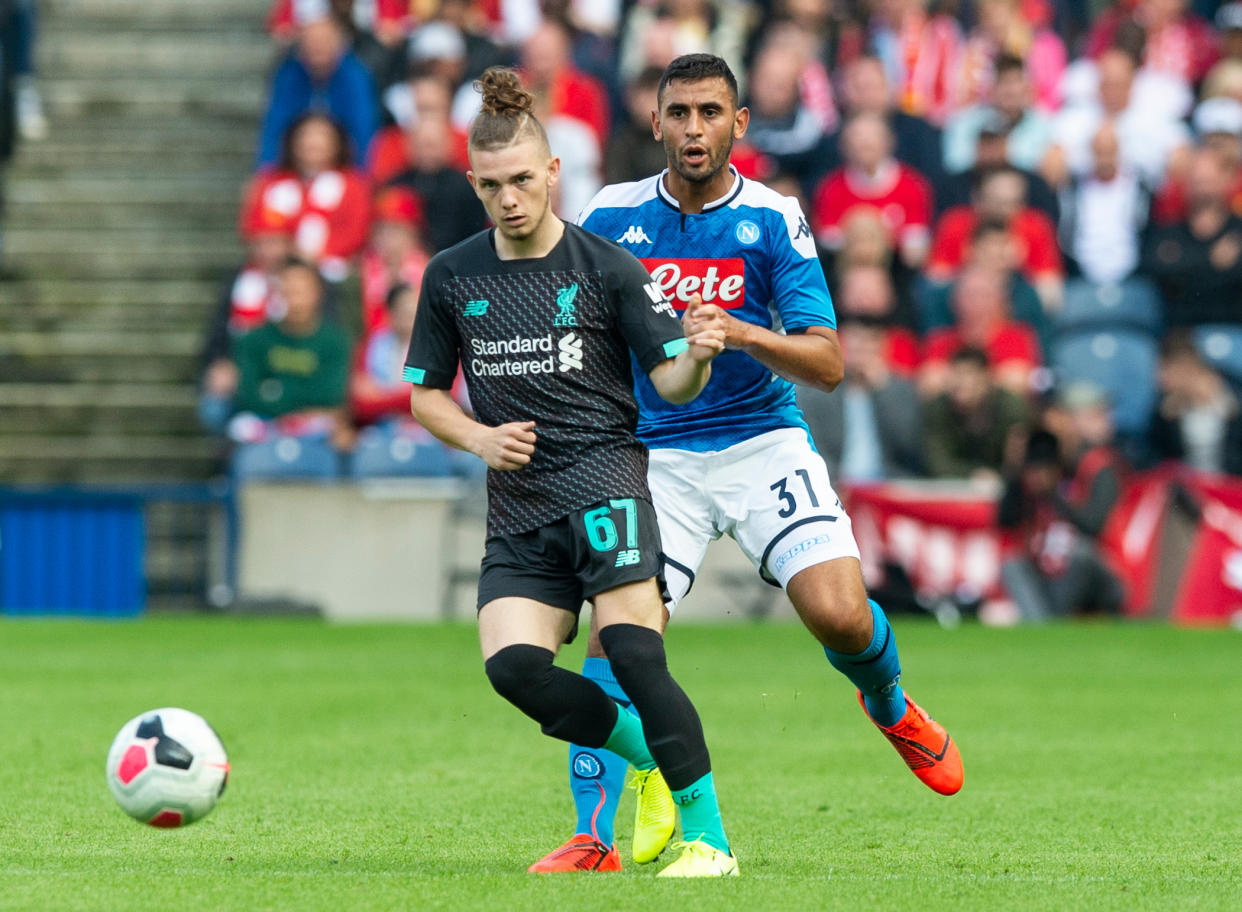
<point x="591" y="550"/>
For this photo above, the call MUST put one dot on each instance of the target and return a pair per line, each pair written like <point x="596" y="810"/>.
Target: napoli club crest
<point x="587" y="766"/>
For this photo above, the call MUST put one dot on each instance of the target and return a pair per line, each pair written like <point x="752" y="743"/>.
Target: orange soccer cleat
<point x="925" y="746"/>
<point x="582" y="853"/>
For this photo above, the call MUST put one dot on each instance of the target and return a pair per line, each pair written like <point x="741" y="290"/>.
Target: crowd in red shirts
<point x="1005" y="183"/>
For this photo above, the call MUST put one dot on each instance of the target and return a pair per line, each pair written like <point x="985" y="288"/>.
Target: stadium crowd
<point x="1029" y="213"/>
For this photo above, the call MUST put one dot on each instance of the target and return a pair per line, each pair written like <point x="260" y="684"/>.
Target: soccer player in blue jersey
<point x="738" y="460"/>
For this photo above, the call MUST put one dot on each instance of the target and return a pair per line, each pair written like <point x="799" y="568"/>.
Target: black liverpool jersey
<point x="548" y="340"/>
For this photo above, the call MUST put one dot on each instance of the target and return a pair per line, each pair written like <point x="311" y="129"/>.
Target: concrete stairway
<point x="120" y="229"/>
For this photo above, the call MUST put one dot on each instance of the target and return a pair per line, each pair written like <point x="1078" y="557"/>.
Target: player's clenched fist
<point x="506" y="446"/>
<point x="705" y="330"/>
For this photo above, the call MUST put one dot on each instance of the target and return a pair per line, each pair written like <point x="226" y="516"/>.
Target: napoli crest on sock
<point x="587" y="766"/>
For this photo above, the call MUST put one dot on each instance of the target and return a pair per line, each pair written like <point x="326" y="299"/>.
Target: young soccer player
<point x="738" y="460"/>
<point x="544" y="317"/>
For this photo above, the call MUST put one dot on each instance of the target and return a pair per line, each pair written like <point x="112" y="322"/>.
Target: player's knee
<point x="633" y="651"/>
<point x="839" y="621"/>
<point x="518" y="672"/>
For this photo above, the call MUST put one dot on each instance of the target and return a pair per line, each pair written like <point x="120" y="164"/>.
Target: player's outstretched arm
<point x="812" y="357"/>
<point x="680" y="379"/>
<point x="507" y="446"/>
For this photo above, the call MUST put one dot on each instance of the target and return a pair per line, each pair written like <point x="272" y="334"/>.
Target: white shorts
<point x="771" y="493"/>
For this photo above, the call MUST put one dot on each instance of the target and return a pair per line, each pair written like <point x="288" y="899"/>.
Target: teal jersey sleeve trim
<point x="675" y="348"/>
<point x="413" y="374"/>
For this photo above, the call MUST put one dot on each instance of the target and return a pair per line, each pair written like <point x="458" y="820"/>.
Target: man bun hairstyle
<point x="697" y="67"/>
<point x="507" y="115"/>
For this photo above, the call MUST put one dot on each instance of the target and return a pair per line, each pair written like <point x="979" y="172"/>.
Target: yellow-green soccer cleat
<point x="698" y="859"/>
<point x="655" y="817"/>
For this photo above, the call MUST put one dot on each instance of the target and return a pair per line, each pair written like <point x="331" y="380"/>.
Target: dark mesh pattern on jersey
<point x="584" y="416"/>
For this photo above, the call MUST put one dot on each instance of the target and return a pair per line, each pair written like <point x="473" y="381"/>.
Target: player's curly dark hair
<point x="696" y="67"/>
<point x="507" y="114"/>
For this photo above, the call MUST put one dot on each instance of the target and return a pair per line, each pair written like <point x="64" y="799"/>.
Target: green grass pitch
<point x="373" y="768"/>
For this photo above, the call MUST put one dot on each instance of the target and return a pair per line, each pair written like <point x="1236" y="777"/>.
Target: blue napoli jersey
<point x="752" y="254"/>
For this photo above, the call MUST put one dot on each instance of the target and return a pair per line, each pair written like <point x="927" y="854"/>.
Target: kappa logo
<point x="804" y="230"/>
<point x="475" y="308"/>
<point x="634" y="235"/>
<point x="747" y="233"/>
<point x="570" y="349"/>
<point x="565" y="301"/>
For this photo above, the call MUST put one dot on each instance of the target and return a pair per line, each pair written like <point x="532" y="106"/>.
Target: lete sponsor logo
<point x="720" y="281"/>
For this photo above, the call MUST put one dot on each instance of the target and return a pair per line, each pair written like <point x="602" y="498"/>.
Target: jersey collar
<point x="734" y="189"/>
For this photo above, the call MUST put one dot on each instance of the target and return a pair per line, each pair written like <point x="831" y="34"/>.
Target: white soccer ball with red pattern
<point x="167" y="767"/>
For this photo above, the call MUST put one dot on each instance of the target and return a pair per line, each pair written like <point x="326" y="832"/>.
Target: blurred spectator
<point x="870" y="428"/>
<point x="1006" y="112"/>
<point x="983" y="322"/>
<point x="1218" y="123"/>
<point x="992" y="250"/>
<point x="1177" y="41"/>
<point x="481" y="48"/>
<point x="632" y="152"/>
<point x="425" y="104"/>
<point x="8" y="135"/>
<point x="1150" y="134"/>
<point x="396" y="255"/>
<point x="17" y="58"/>
<point x="437" y="180"/>
<point x="376" y="390"/>
<point x="314" y="187"/>
<point x="548" y="72"/>
<point x="865" y="90"/>
<point x="251" y="298"/>
<point x="972" y="423"/>
<point x="292" y="373"/>
<point x="865" y="241"/>
<point x="1197" y="262"/>
<point x="1198" y="419"/>
<point x="1104" y="214"/>
<point x="782" y="125"/>
<point x="655" y="33"/>
<point x="1056" y="515"/>
<point x="320" y="73"/>
<point x="377" y="29"/>
<point x="921" y="48"/>
<point x="438" y="49"/>
<point x="1002" y="30"/>
<point x="865" y="294"/>
<point x="1001" y="197"/>
<point x="991" y="152"/>
<point x="873" y="179"/>
<point x="576" y="145"/>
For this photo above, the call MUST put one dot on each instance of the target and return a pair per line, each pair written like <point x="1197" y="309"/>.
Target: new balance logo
<point x="570" y="348"/>
<point x="634" y="235"/>
<point x="474" y="309"/>
<point x="628" y="558"/>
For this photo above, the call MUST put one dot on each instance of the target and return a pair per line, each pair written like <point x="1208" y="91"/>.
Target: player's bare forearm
<point x="678" y="380"/>
<point x="811" y="358"/>
<point x="507" y="446"/>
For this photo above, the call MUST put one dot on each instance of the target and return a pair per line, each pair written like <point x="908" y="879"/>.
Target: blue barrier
<point x="82" y="551"/>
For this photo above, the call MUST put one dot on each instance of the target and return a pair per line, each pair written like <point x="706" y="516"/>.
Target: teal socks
<point x="875" y="671"/>
<point x="700" y="813"/>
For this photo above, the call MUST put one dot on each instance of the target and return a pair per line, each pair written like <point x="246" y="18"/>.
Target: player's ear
<point x="655" y="127"/>
<point x="741" y="120"/>
<point x="554" y="171"/>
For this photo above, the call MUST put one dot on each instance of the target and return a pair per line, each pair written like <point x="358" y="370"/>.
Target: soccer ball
<point x="167" y="767"/>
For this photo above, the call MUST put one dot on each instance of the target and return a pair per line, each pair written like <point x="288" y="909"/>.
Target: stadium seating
<point x="285" y="457"/>
<point x="1221" y="345"/>
<point x="1120" y="361"/>
<point x="387" y="452"/>
<point x="1133" y="303"/>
